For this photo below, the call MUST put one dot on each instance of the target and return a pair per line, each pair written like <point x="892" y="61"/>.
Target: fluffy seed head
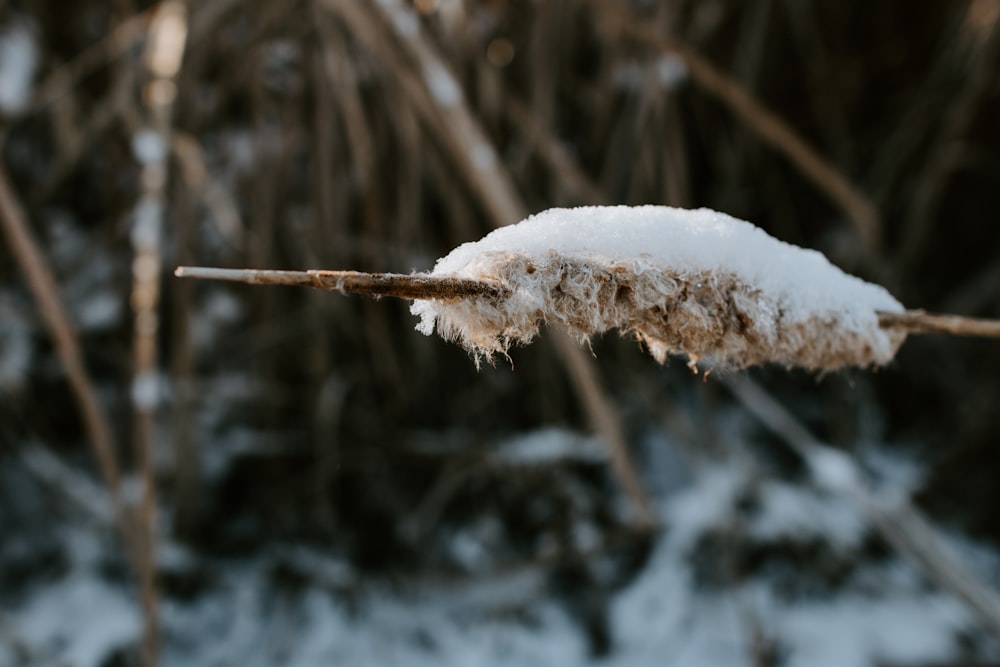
<point x="696" y="283"/>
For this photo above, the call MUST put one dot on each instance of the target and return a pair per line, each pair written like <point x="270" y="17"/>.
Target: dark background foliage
<point x="307" y="135"/>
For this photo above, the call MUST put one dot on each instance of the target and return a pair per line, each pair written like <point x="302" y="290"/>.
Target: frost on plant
<point x="692" y="282"/>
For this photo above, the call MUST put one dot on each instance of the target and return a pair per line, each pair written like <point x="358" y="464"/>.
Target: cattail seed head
<point x="695" y="283"/>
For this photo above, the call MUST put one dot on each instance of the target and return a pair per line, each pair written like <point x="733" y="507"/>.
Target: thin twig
<point x="398" y="285"/>
<point x="167" y="37"/>
<point x="921" y="322"/>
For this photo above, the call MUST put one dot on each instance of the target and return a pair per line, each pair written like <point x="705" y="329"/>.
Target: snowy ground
<point x="882" y="613"/>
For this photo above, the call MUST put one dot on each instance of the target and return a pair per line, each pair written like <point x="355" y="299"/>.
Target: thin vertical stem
<point x="167" y="36"/>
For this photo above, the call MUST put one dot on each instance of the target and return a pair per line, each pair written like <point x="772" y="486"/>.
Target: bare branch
<point x="167" y="36"/>
<point x="397" y="285"/>
<point x="921" y="322"/>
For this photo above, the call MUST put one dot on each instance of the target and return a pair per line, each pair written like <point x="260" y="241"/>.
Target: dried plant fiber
<point x="696" y="283"/>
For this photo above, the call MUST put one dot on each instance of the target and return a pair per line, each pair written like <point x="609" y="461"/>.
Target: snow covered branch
<point x="695" y="283"/>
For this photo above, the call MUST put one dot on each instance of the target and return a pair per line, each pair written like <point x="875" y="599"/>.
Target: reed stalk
<point x="422" y="286"/>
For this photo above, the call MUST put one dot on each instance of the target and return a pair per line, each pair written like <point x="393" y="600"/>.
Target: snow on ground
<point x="660" y="620"/>
<point x="82" y="619"/>
<point x="663" y="617"/>
<point x="550" y="445"/>
<point x="78" y="617"/>
<point x="789" y="511"/>
<point x="18" y="62"/>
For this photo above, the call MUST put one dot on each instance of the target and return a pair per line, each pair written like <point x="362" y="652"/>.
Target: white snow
<point x="708" y="503"/>
<point x="83" y="618"/>
<point x="148" y="147"/>
<point x="833" y="470"/>
<point x="789" y="511"/>
<point x="444" y="89"/>
<point x="219" y="309"/>
<point x="145" y="391"/>
<point x="696" y="282"/>
<point x="78" y="617"/>
<point x="663" y="618"/>
<point x="671" y="71"/>
<point x="550" y="445"/>
<point x="496" y="618"/>
<point x="483" y="157"/>
<point x="88" y="275"/>
<point x="18" y="62"/>
<point x="99" y="311"/>
<point x="850" y="631"/>
<point x="665" y="73"/>
<point x="406" y="23"/>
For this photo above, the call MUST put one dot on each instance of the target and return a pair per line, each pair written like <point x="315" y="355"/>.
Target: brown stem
<point x="919" y="322"/>
<point x="398" y="285"/>
<point x="164" y="51"/>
